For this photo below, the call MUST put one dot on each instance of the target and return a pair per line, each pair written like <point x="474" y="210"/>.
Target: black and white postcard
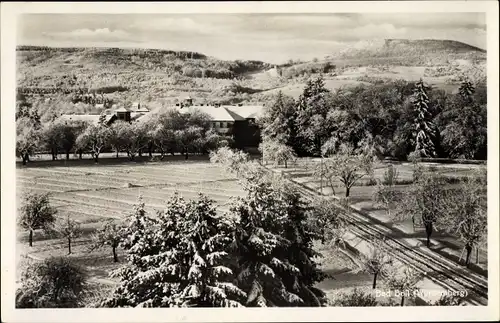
<point x="250" y="161"/>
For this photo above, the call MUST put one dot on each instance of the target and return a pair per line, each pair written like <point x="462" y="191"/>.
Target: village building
<point x="238" y="121"/>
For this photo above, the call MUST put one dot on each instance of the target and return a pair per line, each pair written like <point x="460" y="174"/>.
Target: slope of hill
<point x="150" y="75"/>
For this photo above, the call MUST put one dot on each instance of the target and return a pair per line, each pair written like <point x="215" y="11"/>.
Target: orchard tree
<point x="329" y="221"/>
<point x="348" y="167"/>
<point x="427" y="198"/>
<point x="189" y="139"/>
<point x="52" y="134"/>
<point x="466" y="215"/>
<point x="118" y="135"/>
<point x="232" y="160"/>
<point x="68" y="229"/>
<point x="52" y="283"/>
<point x="276" y="152"/>
<point x="35" y="213"/>
<point x="356" y="298"/>
<point x="95" y="138"/>
<point x="135" y="138"/>
<point x="213" y="141"/>
<point x="425" y="132"/>
<point x="110" y="234"/>
<point x="378" y="260"/>
<point x="386" y="193"/>
<point x="404" y="280"/>
<point x="180" y="259"/>
<point x="27" y="138"/>
<point x="163" y="138"/>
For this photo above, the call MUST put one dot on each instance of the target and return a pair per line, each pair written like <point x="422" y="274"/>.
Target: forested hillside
<point x="88" y="80"/>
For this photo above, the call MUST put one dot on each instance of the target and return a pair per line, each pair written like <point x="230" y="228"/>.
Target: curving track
<point x="437" y="268"/>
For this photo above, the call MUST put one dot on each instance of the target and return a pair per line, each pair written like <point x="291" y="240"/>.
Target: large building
<point x="238" y="121"/>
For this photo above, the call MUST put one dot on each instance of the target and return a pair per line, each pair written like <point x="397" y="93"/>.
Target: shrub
<point x="54" y="282"/>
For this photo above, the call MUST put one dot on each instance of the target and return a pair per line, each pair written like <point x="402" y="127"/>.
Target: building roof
<point x="91" y="118"/>
<point x="222" y="113"/>
<point x="246" y="111"/>
<point x="121" y="109"/>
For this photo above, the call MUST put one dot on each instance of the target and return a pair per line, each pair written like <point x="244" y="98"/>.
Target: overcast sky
<point x="273" y="38"/>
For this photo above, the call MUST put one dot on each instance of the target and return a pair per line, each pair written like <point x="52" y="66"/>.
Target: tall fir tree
<point x="466" y="91"/>
<point x="424" y="131"/>
<point x="278" y="122"/>
<point x="313" y="107"/>
<point x="274" y="244"/>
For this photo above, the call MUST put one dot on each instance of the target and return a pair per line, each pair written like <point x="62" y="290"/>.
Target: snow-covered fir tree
<point x="466" y="91"/>
<point x="178" y="259"/>
<point x="424" y="132"/>
<point x="274" y="244"/>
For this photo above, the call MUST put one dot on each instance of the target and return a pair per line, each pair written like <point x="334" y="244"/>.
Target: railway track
<point x="440" y="270"/>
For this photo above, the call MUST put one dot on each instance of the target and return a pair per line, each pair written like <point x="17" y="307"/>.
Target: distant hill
<point x="151" y="75"/>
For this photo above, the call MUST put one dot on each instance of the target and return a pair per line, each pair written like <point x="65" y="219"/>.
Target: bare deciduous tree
<point x="35" y="213"/>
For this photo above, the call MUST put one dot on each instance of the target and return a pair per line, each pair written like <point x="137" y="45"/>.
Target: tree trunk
<point x="31" y="238"/>
<point x="347" y="191"/>
<point x="25" y="159"/>
<point x="477" y="255"/>
<point x="117" y="151"/>
<point x="69" y="246"/>
<point x="467" y="257"/>
<point x="403" y="300"/>
<point x="150" y="150"/>
<point x="80" y="154"/>
<point x="187" y="155"/>
<point x="375" y="280"/>
<point x="67" y="155"/>
<point x="53" y="154"/>
<point x="428" y="232"/>
<point x="286" y="166"/>
<point x="115" y="256"/>
<point x="140" y="152"/>
<point x="96" y="158"/>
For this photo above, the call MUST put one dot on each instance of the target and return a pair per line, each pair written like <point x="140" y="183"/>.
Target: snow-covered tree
<point x="110" y="234"/>
<point x="378" y="260"/>
<point x="94" y="138"/>
<point x="404" y="280"/>
<point x="347" y="166"/>
<point x="274" y="244"/>
<point x="178" y="259"/>
<point x="232" y="160"/>
<point x="53" y="282"/>
<point x="35" y="213"/>
<point x="427" y="199"/>
<point x="68" y="229"/>
<point x="424" y="131"/>
<point x="466" y="215"/>
<point x="276" y="152"/>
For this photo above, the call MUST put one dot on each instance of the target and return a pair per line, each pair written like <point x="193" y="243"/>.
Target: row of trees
<point x="168" y="132"/>
<point x="260" y="254"/>
<point x="396" y="119"/>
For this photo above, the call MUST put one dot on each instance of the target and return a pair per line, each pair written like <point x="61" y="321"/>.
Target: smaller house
<point x="123" y="114"/>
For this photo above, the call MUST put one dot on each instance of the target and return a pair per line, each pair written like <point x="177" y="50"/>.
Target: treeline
<point x="398" y="119"/>
<point x="169" y="132"/>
